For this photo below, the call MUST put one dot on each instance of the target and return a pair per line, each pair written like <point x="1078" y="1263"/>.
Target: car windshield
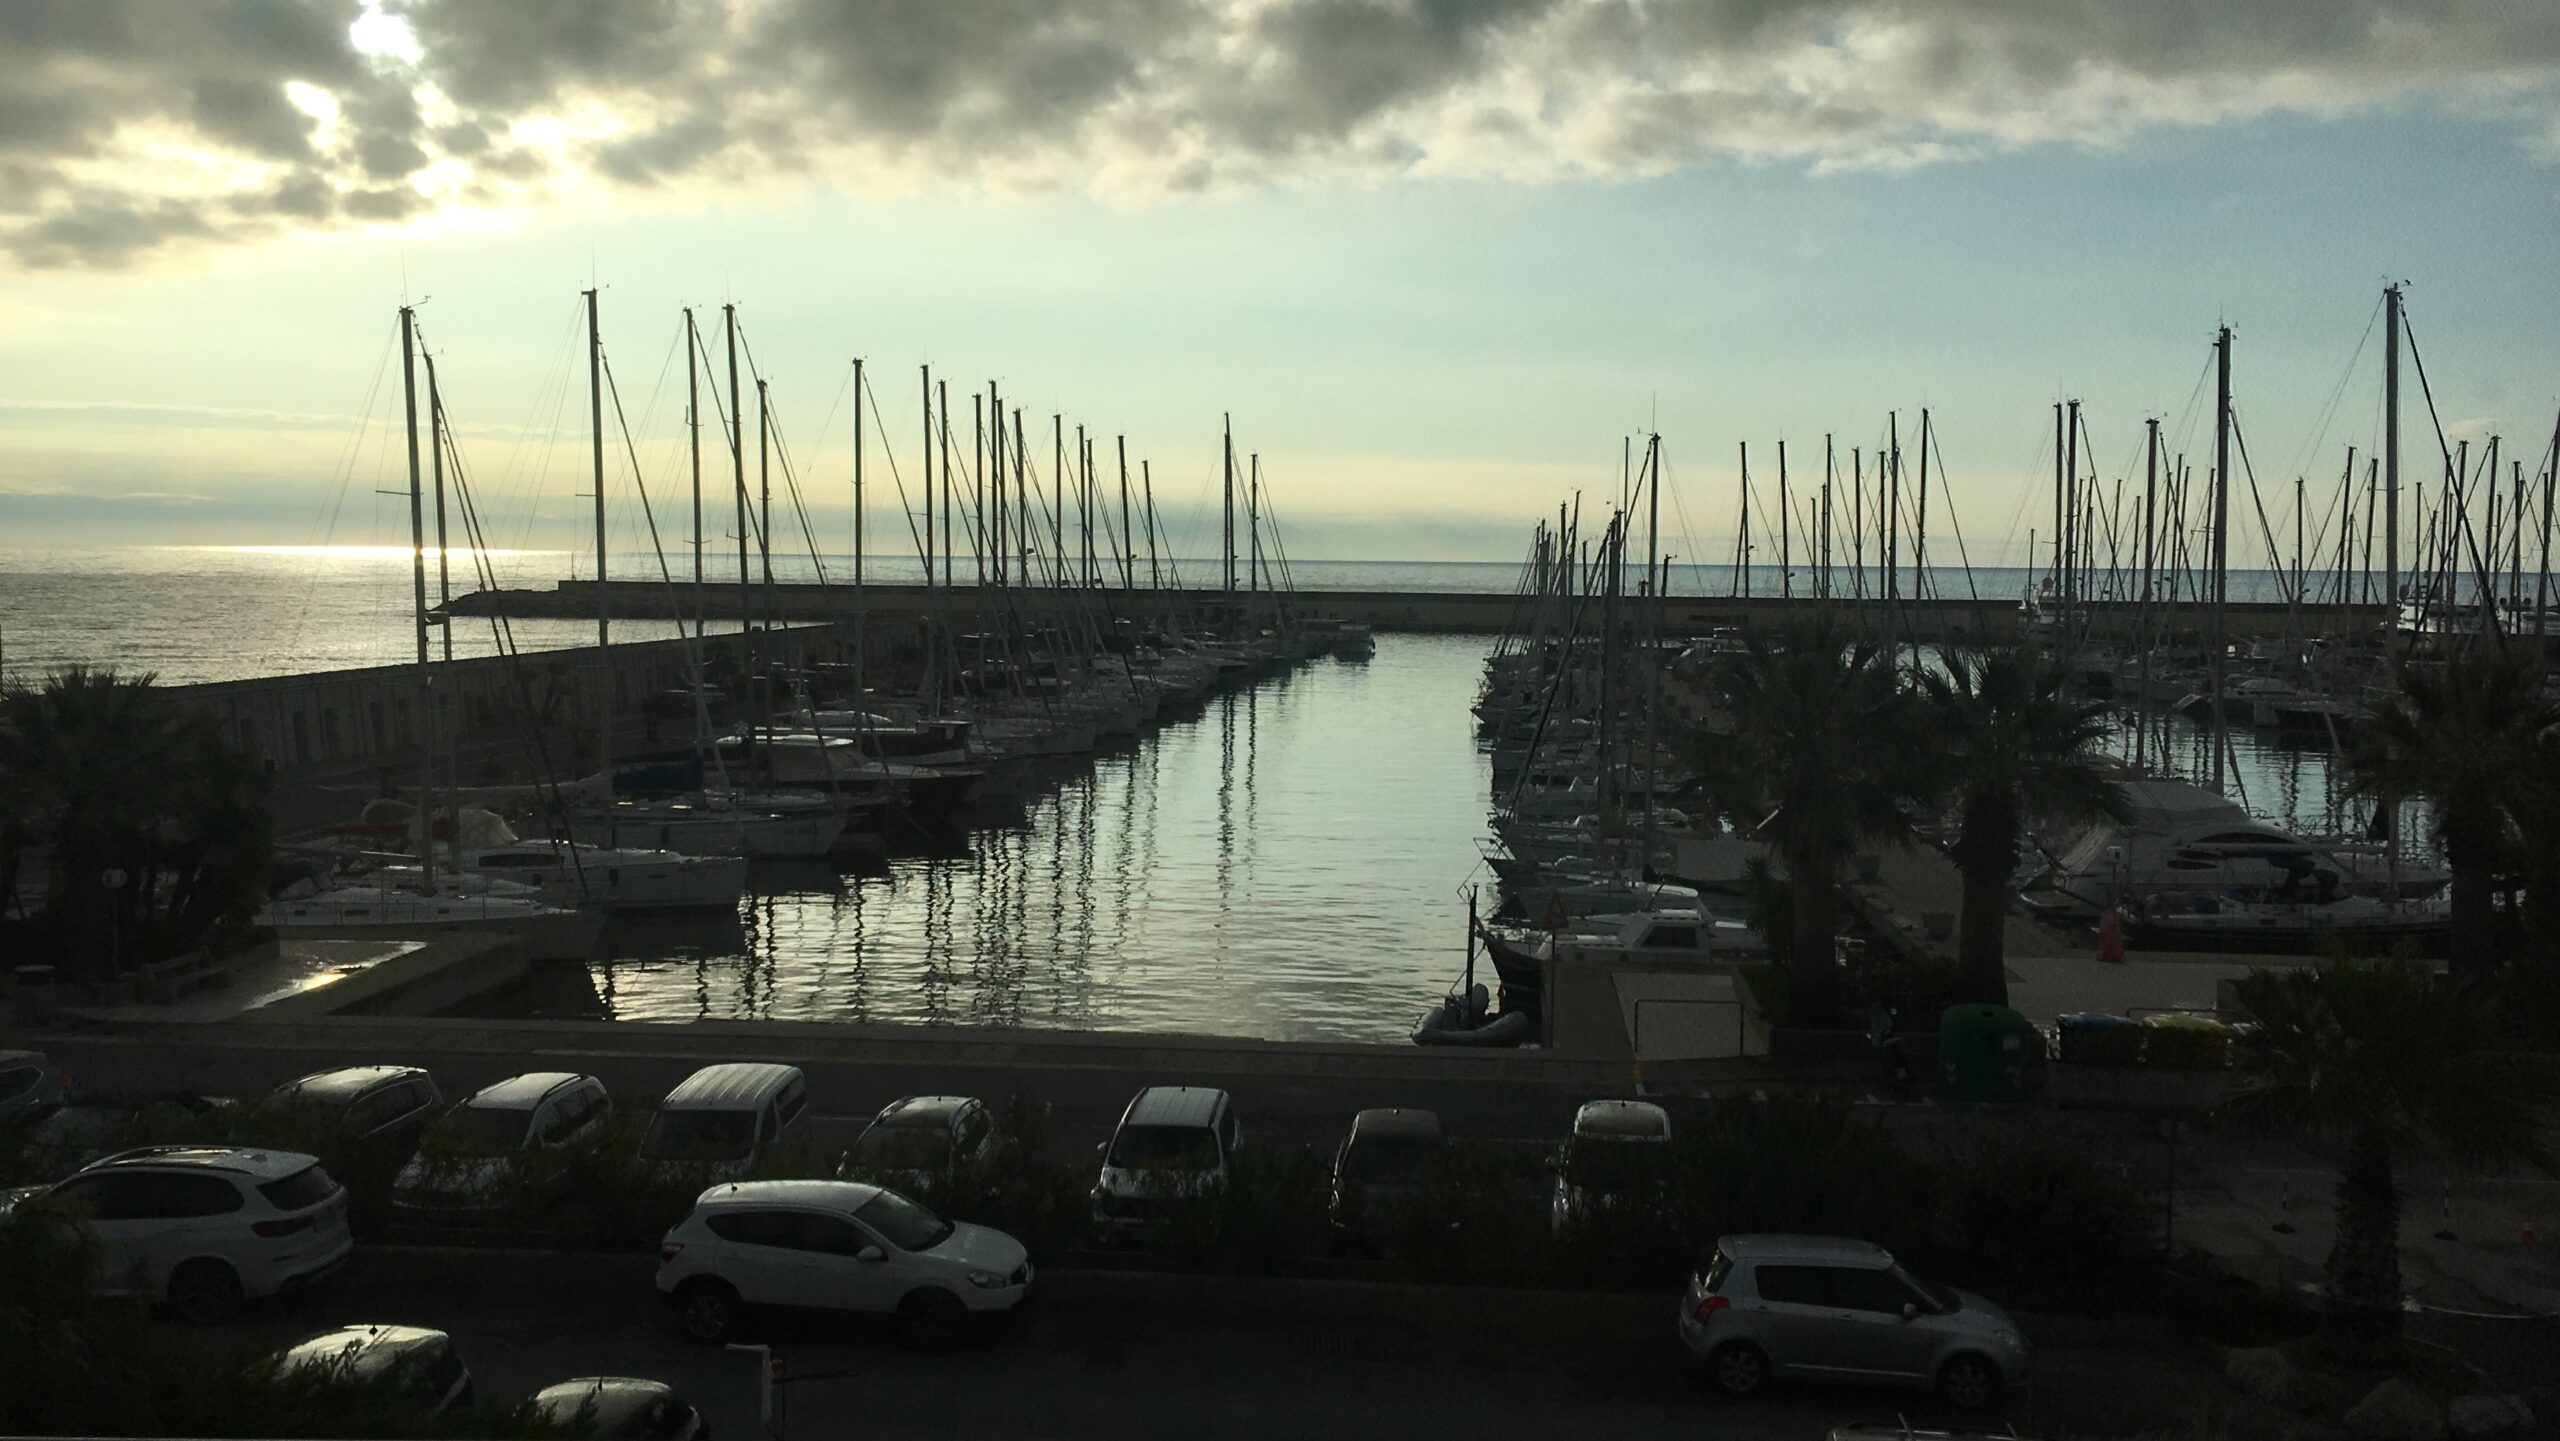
<point x="902" y="1222"/>
<point x="478" y="1131"/>
<point x="903" y="1148"/>
<point x="1940" y="1297"/>
<point x="1164" y="1148"/>
<point x="699" y="1136"/>
<point x="1387" y="1160"/>
<point x="1615" y="1166"/>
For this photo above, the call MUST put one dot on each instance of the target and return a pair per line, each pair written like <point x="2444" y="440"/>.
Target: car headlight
<point x="2010" y="1339"/>
<point x="986" y="1280"/>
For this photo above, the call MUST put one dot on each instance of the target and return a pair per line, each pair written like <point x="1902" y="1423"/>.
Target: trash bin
<point x="31" y="994"/>
<point x="2185" y="1043"/>
<point x="2095" y="1038"/>
<point x="1988" y="1053"/>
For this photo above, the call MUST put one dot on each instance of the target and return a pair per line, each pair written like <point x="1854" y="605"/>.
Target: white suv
<point x="1174" y="1144"/>
<point x="839" y="1246"/>
<point x="477" y="1160"/>
<point x="203" y="1228"/>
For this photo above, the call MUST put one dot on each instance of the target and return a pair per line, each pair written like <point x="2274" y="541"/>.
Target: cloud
<point x="133" y="127"/>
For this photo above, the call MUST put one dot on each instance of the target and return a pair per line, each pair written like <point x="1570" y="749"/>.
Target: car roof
<point x="1818" y="1250"/>
<point x="373" y="1347"/>
<point x="343" y="1084"/>
<point x="258" y="1165"/>
<point x="923" y="1112"/>
<point x="729" y="1086"/>
<point x="520" y="1093"/>
<point x="833" y="1195"/>
<point x="1626" y="1120"/>
<point x="1396" y="1121"/>
<point x="617" y="1399"/>
<point x="22" y="1058"/>
<point x="1174" y="1106"/>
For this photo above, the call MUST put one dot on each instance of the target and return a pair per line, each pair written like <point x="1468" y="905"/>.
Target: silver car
<point x="1826" y="1308"/>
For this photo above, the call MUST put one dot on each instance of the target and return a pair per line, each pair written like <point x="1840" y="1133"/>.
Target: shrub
<point x="1781" y="1164"/>
<point x="2039" y="1223"/>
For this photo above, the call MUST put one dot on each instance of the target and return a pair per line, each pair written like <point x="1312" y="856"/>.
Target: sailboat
<point x="304" y="901"/>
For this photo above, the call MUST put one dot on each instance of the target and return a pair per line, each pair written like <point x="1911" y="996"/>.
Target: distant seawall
<point x="1938" y="618"/>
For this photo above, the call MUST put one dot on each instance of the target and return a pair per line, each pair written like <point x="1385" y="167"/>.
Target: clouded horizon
<point x="1437" y="256"/>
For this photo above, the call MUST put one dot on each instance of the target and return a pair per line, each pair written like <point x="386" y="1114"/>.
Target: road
<point x="1161" y="1357"/>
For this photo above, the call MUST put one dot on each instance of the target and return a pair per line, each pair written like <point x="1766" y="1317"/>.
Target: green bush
<point x="1783" y="1164"/>
<point x="2039" y="1224"/>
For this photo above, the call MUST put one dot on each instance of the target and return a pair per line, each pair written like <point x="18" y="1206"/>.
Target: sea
<point x="1295" y="862"/>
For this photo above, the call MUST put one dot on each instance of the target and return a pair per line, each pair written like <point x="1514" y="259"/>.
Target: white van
<point x="725" y="1118"/>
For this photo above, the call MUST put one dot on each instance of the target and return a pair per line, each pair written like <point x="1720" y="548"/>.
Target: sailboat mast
<point x="2142" y="631"/>
<point x="738" y="489"/>
<point x="1742" y="524"/>
<point x="2221" y="534"/>
<point x="1822" y="566"/>
<point x="693" y="433"/>
<point x="978" y="485"/>
<point x="942" y="405"/>
<point x="418" y="576"/>
<point x="1227" y="451"/>
<point x="1128" y="549"/>
<point x="1147" y="480"/>
<point x="928" y="382"/>
<point x="857" y="472"/>
<point x="926" y="372"/>
<point x="1253" y="523"/>
<point x="1786" y="531"/>
<point x="604" y="610"/>
<point x="444" y="551"/>
<point x="2391" y="447"/>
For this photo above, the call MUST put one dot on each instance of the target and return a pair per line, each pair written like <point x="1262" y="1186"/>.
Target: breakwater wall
<point x="1934" y="619"/>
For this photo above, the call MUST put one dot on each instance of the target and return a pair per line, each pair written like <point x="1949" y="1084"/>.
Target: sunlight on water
<point x="1290" y="864"/>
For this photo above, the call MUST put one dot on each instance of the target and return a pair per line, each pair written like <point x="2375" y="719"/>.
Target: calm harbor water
<point x="1291" y="863"/>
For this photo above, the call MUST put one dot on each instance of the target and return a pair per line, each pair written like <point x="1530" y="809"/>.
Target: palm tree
<point x="2460" y="735"/>
<point x="2014" y="747"/>
<point x="158" y="834"/>
<point x="1822" y="756"/>
<point x="2391" y="1056"/>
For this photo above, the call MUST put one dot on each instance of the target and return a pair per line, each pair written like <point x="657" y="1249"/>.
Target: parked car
<point x="28" y="1085"/>
<point x="725" y="1118"/>
<point x="391" y="1104"/>
<point x="74" y="1133"/>
<point x="472" y="1161"/>
<point x="418" y="1365"/>
<point x="621" y="1408"/>
<point x="837" y="1246"/>
<point x="1619" y="1151"/>
<point x="921" y="1144"/>
<point x="202" y="1229"/>
<point x="1379" y="1171"/>
<point x="1172" y="1142"/>
<point x="1768" y="1307"/>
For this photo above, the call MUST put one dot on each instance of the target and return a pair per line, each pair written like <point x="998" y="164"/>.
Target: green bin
<point x="1988" y="1053"/>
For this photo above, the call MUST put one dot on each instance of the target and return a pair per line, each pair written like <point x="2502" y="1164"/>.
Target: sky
<point x="1437" y="259"/>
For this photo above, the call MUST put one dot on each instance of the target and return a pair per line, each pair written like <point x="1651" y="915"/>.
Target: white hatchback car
<point x="204" y="1228"/>
<point x="836" y="1246"/>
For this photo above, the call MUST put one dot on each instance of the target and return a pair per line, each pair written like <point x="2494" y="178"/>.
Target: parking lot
<point x="1102" y="1355"/>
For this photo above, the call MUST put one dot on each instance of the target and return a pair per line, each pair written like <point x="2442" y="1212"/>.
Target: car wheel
<point x="1738" y="1368"/>
<point x="1969" y="1382"/>
<point x="204" y="1293"/>
<point x="934" y="1320"/>
<point x="706" y="1310"/>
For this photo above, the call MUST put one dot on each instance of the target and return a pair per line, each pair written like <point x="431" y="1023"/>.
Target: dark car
<point x="621" y="1408"/>
<point x="921" y="1144"/>
<point x="1379" y="1172"/>
<point x="391" y="1104"/>
<point x="419" y="1365"/>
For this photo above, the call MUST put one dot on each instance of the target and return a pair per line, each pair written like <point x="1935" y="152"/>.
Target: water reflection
<point x="1288" y="863"/>
<point x="1285" y="863"/>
